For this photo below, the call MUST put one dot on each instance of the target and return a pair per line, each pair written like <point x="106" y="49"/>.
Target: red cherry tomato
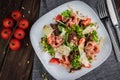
<point x="19" y="34"/>
<point x="23" y="24"/>
<point x="14" y="44"/>
<point x="58" y="18"/>
<point x="8" y="22"/>
<point x="86" y="22"/>
<point x="54" y="60"/>
<point x="5" y="33"/>
<point x="16" y="15"/>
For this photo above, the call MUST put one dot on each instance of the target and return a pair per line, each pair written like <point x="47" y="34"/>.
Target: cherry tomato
<point x="58" y="18"/>
<point x="16" y="15"/>
<point x="8" y="22"/>
<point x="23" y="24"/>
<point x="86" y="22"/>
<point x="5" y="33"/>
<point x="19" y="34"/>
<point x="54" y="60"/>
<point x="14" y="44"/>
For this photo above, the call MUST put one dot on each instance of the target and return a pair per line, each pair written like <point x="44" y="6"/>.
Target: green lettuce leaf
<point x="95" y="36"/>
<point x="46" y="46"/>
<point x="78" y="30"/>
<point x="66" y="13"/>
<point x="76" y="62"/>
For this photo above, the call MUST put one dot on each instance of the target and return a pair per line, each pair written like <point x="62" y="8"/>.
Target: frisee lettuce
<point x="46" y="46"/>
<point x="76" y="62"/>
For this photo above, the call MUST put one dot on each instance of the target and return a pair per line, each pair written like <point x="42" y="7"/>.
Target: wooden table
<point x="17" y="65"/>
<point x="118" y="6"/>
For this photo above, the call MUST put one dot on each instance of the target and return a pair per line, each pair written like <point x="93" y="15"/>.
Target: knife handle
<point x="118" y="32"/>
<point x="114" y="43"/>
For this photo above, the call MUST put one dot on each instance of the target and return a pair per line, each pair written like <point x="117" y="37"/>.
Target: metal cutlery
<point x="113" y="17"/>
<point x="102" y="12"/>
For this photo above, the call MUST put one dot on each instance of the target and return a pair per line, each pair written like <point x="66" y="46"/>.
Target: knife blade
<point x="113" y="16"/>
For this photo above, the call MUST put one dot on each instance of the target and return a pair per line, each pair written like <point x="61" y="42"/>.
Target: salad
<point x="72" y="41"/>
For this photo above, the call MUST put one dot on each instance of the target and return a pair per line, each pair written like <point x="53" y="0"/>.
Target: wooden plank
<point x="117" y="2"/>
<point x="17" y="65"/>
<point x="6" y="8"/>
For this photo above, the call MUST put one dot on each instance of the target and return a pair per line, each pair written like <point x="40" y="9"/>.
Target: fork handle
<point x="114" y="43"/>
<point x="118" y="32"/>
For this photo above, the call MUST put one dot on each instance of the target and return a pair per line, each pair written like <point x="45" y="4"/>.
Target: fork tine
<point x="99" y="10"/>
<point x="102" y="9"/>
<point x="105" y="9"/>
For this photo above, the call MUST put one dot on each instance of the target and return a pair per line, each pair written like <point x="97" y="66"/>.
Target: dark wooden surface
<point x="118" y="6"/>
<point x="17" y="65"/>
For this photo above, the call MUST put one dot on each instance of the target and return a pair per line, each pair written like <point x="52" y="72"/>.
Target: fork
<point x="102" y="12"/>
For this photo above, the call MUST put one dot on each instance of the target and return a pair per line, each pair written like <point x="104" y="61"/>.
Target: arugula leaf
<point x="78" y="30"/>
<point x="66" y="13"/>
<point x="95" y="36"/>
<point x="46" y="46"/>
<point x="76" y="62"/>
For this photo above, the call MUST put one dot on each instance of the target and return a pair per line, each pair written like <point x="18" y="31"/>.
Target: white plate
<point x="58" y="72"/>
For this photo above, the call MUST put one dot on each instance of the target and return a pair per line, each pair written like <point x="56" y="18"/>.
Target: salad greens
<point x="95" y="36"/>
<point x="76" y="62"/>
<point x="46" y="46"/>
<point x="78" y="30"/>
<point x="68" y="40"/>
<point x="66" y="13"/>
<point x="91" y="24"/>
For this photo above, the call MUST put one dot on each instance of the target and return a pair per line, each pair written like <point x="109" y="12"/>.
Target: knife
<point x="111" y="9"/>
